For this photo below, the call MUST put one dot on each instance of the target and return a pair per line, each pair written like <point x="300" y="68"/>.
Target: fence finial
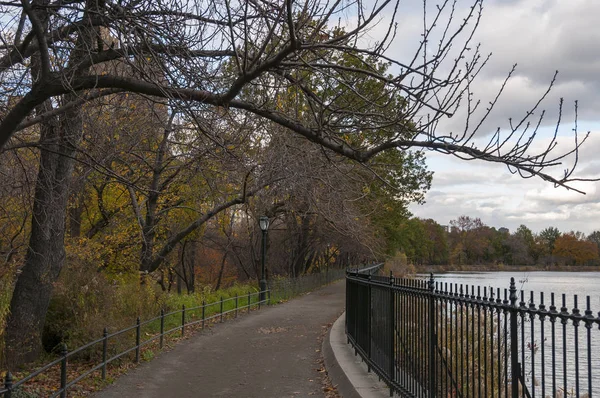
<point x="431" y="282"/>
<point x="513" y="292"/>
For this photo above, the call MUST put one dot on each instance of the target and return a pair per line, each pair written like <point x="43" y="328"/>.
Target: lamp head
<point x="263" y="221"/>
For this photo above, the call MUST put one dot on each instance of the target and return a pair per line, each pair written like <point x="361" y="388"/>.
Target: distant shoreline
<point x="419" y="269"/>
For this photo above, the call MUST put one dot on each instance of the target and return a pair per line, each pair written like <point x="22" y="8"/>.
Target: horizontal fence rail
<point x="429" y="339"/>
<point x="367" y="270"/>
<point x="286" y="288"/>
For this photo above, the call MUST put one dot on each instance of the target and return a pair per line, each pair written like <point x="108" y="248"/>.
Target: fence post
<point x="182" y="320"/>
<point x="203" y="312"/>
<point x="392" y="334"/>
<point x="236" y="305"/>
<point x="248" y="302"/>
<point x="8" y="382"/>
<point x="221" y="309"/>
<point x="432" y="339"/>
<point x="369" y="324"/>
<point x="162" y="327"/>
<point x="348" y="307"/>
<point x="63" y="371"/>
<point x="104" y="349"/>
<point x="137" y="339"/>
<point x="269" y="296"/>
<point x="514" y="341"/>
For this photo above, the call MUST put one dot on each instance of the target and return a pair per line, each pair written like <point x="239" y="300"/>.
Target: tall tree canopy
<point x="238" y="58"/>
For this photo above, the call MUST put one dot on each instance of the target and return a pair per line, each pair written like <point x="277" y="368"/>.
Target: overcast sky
<point x="541" y="36"/>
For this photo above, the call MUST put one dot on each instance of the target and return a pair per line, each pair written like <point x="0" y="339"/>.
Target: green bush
<point x="85" y="301"/>
<point x="398" y="265"/>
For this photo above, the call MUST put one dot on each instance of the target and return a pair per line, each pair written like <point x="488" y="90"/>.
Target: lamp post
<point x="327" y="263"/>
<point x="263" y="222"/>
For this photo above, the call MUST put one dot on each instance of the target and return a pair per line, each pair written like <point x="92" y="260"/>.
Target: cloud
<point x="500" y="199"/>
<point x="540" y="36"/>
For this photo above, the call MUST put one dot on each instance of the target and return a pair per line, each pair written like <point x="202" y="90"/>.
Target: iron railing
<point x="286" y="288"/>
<point x="367" y="270"/>
<point x="430" y="339"/>
<point x="184" y="318"/>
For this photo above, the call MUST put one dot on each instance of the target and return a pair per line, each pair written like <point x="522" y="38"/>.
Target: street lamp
<point x="263" y="222"/>
<point x="327" y="263"/>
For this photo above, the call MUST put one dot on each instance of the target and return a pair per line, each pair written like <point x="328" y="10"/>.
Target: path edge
<point x="347" y="372"/>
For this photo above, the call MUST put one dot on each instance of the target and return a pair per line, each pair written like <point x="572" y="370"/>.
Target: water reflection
<point x="570" y="283"/>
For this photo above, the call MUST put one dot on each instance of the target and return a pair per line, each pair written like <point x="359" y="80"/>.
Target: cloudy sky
<point x="541" y="36"/>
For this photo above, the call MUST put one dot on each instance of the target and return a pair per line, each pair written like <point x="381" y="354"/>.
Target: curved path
<point x="274" y="352"/>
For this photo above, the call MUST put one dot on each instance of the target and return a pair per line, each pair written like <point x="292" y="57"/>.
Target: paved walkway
<point x="274" y="352"/>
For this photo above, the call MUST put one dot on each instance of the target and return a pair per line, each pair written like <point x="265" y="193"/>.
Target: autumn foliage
<point x="468" y="241"/>
<point x="571" y="249"/>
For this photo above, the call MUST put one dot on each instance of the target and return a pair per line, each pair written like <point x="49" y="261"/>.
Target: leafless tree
<point x="56" y="56"/>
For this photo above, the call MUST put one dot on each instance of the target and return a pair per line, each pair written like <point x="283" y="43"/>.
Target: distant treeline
<point x="468" y="241"/>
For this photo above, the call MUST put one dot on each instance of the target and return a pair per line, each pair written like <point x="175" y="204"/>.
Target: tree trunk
<point x="191" y="261"/>
<point x="221" y="271"/>
<point x="46" y="253"/>
<point x="302" y="247"/>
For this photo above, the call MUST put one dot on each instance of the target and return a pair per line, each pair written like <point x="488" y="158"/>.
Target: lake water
<point x="576" y="287"/>
<point x="569" y="283"/>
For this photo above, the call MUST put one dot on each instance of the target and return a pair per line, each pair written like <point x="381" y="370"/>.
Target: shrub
<point x="398" y="265"/>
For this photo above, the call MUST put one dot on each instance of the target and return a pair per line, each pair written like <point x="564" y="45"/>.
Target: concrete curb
<point x="348" y="373"/>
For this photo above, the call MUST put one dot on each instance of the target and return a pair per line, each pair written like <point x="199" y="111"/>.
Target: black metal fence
<point x="286" y="288"/>
<point x="428" y="339"/>
<point x="166" y="323"/>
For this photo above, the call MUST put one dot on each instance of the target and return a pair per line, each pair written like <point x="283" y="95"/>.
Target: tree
<point x="525" y="235"/>
<point x="517" y="252"/>
<point x="56" y="56"/>
<point x="16" y="170"/>
<point x="574" y="250"/>
<point x="595" y="238"/>
<point x="439" y="251"/>
<point x="471" y="240"/>
<point x="548" y="237"/>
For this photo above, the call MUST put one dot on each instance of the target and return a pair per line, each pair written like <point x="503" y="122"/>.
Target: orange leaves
<point x="575" y="250"/>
